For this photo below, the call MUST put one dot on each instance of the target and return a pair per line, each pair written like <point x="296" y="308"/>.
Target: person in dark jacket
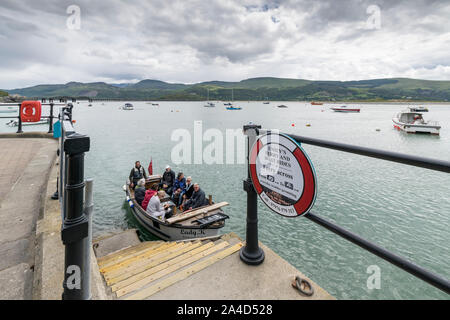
<point x="187" y="194"/>
<point x="136" y="174"/>
<point x="179" y="187"/>
<point x="139" y="191"/>
<point x="168" y="180"/>
<point x="197" y="200"/>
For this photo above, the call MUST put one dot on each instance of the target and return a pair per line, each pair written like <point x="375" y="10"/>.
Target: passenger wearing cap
<point x="168" y="180"/>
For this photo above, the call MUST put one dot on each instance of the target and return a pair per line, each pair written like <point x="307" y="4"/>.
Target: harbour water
<point x="402" y="208"/>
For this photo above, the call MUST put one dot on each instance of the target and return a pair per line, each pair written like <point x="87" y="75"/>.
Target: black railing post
<point x="75" y="228"/>
<point x="251" y="253"/>
<point x="19" y="127"/>
<point x="50" y="125"/>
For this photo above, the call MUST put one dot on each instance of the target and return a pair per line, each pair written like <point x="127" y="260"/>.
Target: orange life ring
<point x="30" y="111"/>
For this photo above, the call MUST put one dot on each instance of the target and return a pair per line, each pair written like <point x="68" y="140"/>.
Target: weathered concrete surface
<point x="24" y="168"/>
<point x="231" y="279"/>
<point x="49" y="269"/>
<point x="106" y="245"/>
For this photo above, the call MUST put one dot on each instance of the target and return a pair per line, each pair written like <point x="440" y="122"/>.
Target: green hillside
<point x="252" y="89"/>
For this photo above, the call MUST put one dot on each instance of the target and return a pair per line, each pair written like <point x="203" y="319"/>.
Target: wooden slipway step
<point x="138" y="272"/>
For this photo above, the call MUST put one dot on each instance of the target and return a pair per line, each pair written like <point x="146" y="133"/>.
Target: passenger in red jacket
<point x="148" y="195"/>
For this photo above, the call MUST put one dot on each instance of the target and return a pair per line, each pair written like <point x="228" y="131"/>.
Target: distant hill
<point x="252" y="89"/>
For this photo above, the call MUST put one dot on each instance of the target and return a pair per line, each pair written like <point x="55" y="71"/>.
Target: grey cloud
<point x="230" y="40"/>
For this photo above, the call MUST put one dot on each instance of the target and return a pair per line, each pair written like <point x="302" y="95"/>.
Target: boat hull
<point x="170" y="232"/>
<point x="346" y="110"/>
<point x="412" y="128"/>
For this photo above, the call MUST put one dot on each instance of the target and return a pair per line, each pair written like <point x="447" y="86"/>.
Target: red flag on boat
<point x="150" y="168"/>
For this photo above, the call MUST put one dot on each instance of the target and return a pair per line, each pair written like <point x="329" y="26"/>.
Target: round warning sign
<point x="283" y="175"/>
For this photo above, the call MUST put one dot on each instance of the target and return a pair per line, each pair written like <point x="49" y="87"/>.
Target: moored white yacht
<point x="413" y="122"/>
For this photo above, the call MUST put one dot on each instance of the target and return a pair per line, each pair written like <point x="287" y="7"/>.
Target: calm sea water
<point x="402" y="208"/>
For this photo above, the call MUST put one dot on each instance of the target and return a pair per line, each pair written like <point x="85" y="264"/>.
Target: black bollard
<point x="251" y="253"/>
<point x="75" y="228"/>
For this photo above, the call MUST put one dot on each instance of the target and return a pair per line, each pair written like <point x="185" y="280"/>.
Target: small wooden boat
<point x="266" y="102"/>
<point x="345" y="109"/>
<point x="413" y="122"/>
<point x="203" y="222"/>
<point x="282" y="106"/>
<point x="316" y="103"/>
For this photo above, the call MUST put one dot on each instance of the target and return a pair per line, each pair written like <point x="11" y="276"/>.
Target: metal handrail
<point x="18" y="104"/>
<point x="432" y="164"/>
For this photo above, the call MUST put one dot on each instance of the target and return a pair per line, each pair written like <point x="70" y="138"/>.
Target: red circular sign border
<point x="309" y="177"/>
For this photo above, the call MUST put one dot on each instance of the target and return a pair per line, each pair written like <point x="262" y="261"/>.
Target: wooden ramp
<point x="139" y="271"/>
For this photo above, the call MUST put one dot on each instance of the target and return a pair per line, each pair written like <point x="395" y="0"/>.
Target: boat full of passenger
<point x="204" y="221"/>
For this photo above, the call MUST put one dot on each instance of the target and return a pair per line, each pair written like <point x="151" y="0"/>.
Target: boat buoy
<point x="293" y="124"/>
<point x="130" y="202"/>
<point x="308" y="125"/>
<point x="378" y="129"/>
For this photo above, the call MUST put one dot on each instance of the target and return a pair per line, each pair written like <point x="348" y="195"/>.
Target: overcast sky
<point x="192" y="41"/>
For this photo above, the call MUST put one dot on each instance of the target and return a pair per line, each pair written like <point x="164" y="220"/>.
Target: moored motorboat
<point x="282" y="106"/>
<point x="345" y="109"/>
<point x="418" y="109"/>
<point x="203" y="222"/>
<point x="316" y="103"/>
<point x="413" y="122"/>
<point x="127" y="106"/>
<point x="233" y="108"/>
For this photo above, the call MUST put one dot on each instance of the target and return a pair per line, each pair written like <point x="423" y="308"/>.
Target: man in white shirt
<point x="154" y="206"/>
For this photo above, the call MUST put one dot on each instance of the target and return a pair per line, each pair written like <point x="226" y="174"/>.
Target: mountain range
<point x="267" y="88"/>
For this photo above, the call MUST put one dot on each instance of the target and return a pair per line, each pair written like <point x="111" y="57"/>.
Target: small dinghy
<point x="203" y="222"/>
<point x="282" y="106"/>
<point x="413" y="122"/>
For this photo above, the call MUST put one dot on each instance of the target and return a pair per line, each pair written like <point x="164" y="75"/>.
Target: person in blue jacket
<point x="179" y="188"/>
